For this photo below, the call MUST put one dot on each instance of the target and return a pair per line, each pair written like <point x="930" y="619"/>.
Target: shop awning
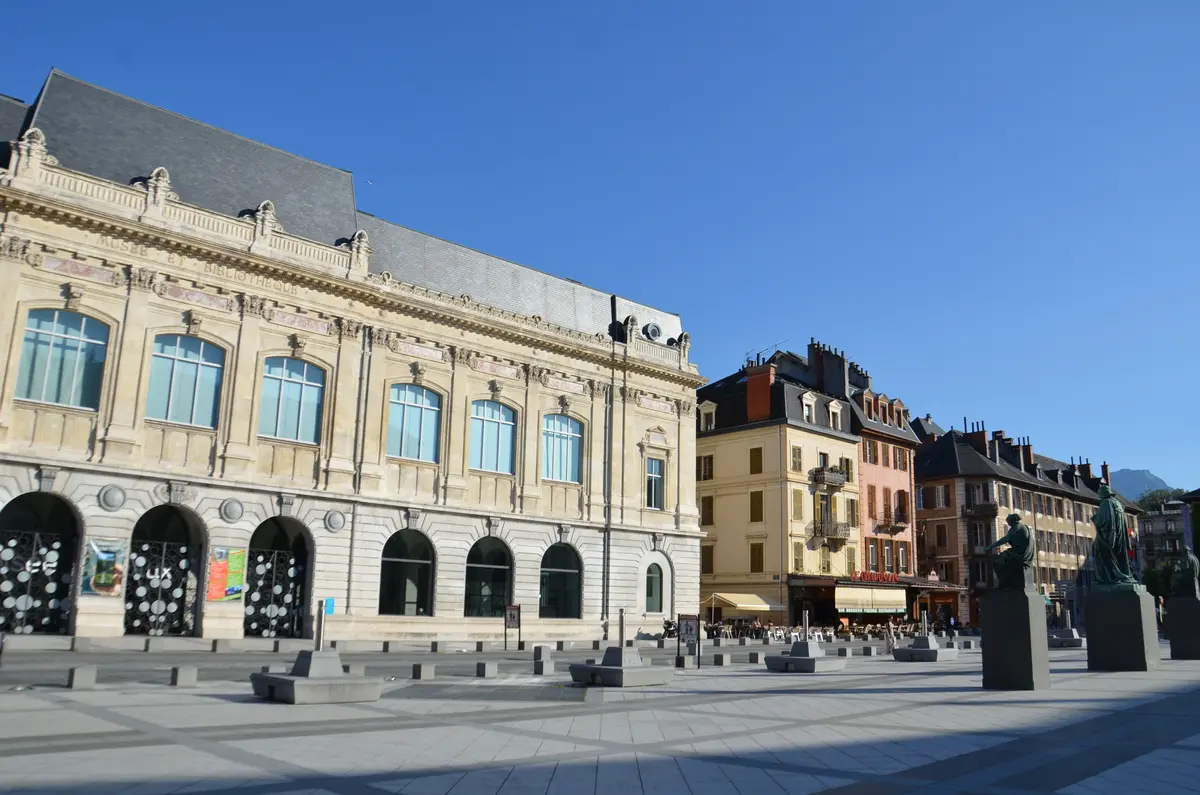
<point x="848" y="599"/>
<point x="742" y="601"/>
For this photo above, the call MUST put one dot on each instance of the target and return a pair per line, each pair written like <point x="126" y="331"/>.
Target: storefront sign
<point x="226" y="574"/>
<point x="876" y="576"/>
<point x="104" y="567"/>
<point x="512" y="617"/>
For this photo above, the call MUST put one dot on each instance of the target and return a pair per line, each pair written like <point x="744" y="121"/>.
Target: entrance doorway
<point x="276" y="579"/>
<point x="162" y="586"/>
<point x="39" y="542"/>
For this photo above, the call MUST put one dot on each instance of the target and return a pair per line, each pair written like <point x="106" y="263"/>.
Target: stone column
<point x="686" y="512"/>
<point x="595" y="453"/>
<point x="529" y="476"/>
<point x="374" y="461"/>
<point x="241" y="447"/>
<point x="121" y="438"/>
<point x="339" y="469"/>
<point x="457" y="423"/>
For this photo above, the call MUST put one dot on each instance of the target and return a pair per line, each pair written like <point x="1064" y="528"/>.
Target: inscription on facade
<point x="495" y="368"/>
<point x="197" y="297"/>
<point x="655" y="404"/>
<point x="302" y="323"/>
<point x="81" y="270"/>
<point x="420" y="351"/>
<point x="236" y="274"/>
<point x="117" y="244"/>
<point x="563" y="385"/>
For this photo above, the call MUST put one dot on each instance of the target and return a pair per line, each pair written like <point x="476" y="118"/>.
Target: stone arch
<point x="407" y="573"/>
<point x="560" y="589"/>
<point x="666" y="584"/>
<point x="278" y="572"/>
<point x="40" y="538"/>
<point x="164" y="572"/>
<point x="489" y="578"/>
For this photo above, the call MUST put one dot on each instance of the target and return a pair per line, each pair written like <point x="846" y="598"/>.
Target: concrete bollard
<point x="562" y="645"/>
<point x="596" y="645"/>
<point x="756" y="657"/>
<point x="183" y="676"/>
<point x="967" y="644"/>
<point x="394" y="646"/>
<point x="766" y="641"/>
<point x="869" y="651"/>
<point x="723" y="658"/>
<point x="683" y="661"/>
<point x="524" y="645"/>
<point x="590" y="661"/>
<point x="222" y="646"/>
<point x="153" y="644"/>
<point x="543" y="667"/>
<point x="541" y="653"/>
<point x="847" y="639"/>
<point x="486" y="670"/>
<point x="81" y="644"/>
<point x="717" y="643"/>
<point x="422" y="671"/>
<point x="82" y="677"/>
<point x="479" y="645"/>
<point x="275" y="668"/>
<point x="691" y="648"/>
<point x="629" y="644"/>
<point x="354" y="669"/>
<point x="843" y="652"/>
<point x="661" y="643"/>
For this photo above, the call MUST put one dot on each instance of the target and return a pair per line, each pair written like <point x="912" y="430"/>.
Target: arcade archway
<point x="277" y="566"/>
<point x="162" y="578"/>
<point x="39" y="542"/>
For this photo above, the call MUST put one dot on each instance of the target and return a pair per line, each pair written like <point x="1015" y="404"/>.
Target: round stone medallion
<point x="231" y="510"/>
<point x="111" y="497"/>
<point x="335" y="520"/>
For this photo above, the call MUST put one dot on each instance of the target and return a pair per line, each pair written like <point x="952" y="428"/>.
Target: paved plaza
<point x="878" y="727"/>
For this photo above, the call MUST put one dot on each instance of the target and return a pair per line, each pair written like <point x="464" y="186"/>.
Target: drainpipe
<point x="785" y="517"/>
<point x="364" y="371"/>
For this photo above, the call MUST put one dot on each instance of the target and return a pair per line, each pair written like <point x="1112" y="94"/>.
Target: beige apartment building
<point x="968" y="483"/>
<point x="229" y="394"/>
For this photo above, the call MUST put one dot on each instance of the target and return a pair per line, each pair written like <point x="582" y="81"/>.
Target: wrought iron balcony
<point x="893" y="522"/>
<point x="981" y="510"/>
<point x="828" y="528"/>
<point x="828" y="476"/>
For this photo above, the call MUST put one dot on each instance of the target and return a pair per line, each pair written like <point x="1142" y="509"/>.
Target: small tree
<point x="1154" y="499"/>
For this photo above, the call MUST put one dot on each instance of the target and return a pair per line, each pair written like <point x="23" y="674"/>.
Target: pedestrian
<point x="889" y="638"/>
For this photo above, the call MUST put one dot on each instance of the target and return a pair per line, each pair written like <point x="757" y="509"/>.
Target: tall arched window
<point x="414" y="415"/>
<point x="293" y="396"/>
<point x="561" y="592"/>
<point x="654" y="588"/>
<point x="493" y="430"/>
<point x="562" y="448"/>
<point x="406" y="575"/>
<point x="489" y="579"/>
<point x="62" y="359"/>
<point x="185" y="380"/>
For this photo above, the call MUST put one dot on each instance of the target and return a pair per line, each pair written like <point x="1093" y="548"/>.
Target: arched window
<point x="654" y="588"/>
<point x="562" y="448"/>
<point x="493" y="429"/>
<point x="185" y="380"/>
<point x="406" y="575"/>
<point x="414" y="414"/>
<point x="561" y="594"/>
<point x="489" y="579"/>
<point x="62" y="359"/>
<point x="293" y="396"/>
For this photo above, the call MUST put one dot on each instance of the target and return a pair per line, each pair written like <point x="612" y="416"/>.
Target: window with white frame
<point x="414" y="422"/>
<point x="493" y="435"/>
<point x="62" y="359"/>
<point x="655" y="483"/>
<point x="185" y="381"/>
<point x="562" y="448"/>
<point x="293" y="397"/>
<point x="708" y="419"/>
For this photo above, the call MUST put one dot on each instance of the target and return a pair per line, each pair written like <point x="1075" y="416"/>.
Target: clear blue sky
<point x="994" y="208"/>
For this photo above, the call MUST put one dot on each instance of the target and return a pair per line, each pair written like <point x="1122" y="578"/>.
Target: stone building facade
<point x="228" y="394"/>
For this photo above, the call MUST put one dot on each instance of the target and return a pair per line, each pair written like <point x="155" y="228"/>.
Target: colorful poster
<point x="226" y="574"/>
<point x="104" y="567"/>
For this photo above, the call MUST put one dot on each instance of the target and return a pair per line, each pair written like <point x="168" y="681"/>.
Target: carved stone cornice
<point x="351" y="329"/>
<point x="19" y="248"/>
<point x="37" y="186"/>
<point x="254" y="306"/>
<point x="143" y="278"/>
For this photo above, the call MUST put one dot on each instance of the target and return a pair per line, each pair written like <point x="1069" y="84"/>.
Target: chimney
<point x="977" y="438"/>
<point x="1085" y="470"/>
<point x="1104" y="473"/>
<point x="1027" y="456"/>
<point x="759" y="379"/>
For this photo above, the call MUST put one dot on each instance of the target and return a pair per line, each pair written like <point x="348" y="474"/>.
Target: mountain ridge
<point x="1133" y="483"/>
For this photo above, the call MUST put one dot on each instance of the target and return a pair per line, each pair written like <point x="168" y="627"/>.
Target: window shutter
<point x="817" y="508"/>
<point x="833" y="511"/>
<point x="863" y="447"/>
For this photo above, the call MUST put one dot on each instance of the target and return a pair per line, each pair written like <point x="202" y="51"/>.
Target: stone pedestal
<point x="1183" y="627"/>
<point x="621" y="667"/>
<point x="805" y="657"/>
<point x="1122" y="632"/>
<point x="317" y="677"/>
<point x="1015" y="657"/>
<point x="924" y="648"/>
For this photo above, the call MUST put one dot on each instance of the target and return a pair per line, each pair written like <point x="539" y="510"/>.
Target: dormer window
<point x="708" y="416"/>
<point x="835" y="418"/>
<point x="808" y="412"/>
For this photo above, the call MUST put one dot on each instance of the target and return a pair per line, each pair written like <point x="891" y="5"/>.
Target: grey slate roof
<point x="104" y="134"/>
<point x="861" y="422"/>
<point x="99" y="132"/>
<point x="924" y="427"/>
<point x="418" y="258"/>
<point x="12" y="119"/>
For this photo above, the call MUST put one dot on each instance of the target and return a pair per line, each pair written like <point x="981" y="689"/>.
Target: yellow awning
<point x="850" y="599"/>
<point x="742" y="601"/>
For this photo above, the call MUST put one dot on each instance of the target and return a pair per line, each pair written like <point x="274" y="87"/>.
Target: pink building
<point x="886" y="453"/>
